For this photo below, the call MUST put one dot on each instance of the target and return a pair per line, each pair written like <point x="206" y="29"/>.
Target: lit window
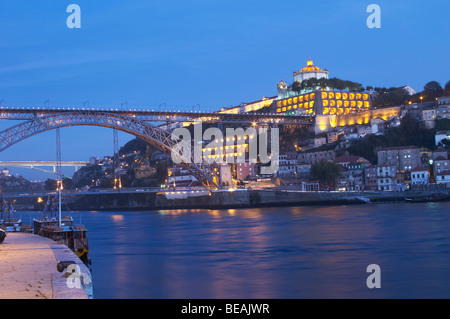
<point x="338" y="95"/>
<point x="331" y="95"/>
<point x="358" y="96"/>
<point x="324" y="95"/>
<point x="325" y="102"/>
<point x="290" y="101"/>
<point x="345" y="96"/>
<point x="295" y="99"/>
<point x="279" y="103"/>
<point x="284" y="102"/>
<point x="352" y="96"/>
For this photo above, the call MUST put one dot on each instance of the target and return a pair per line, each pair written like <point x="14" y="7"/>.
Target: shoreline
<point x="240" y="198"/>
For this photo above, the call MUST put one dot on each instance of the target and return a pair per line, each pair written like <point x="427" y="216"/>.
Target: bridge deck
<point x="31" y="113"/>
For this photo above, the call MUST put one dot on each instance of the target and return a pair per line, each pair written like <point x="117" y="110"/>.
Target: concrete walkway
<point x="28" y="269"/>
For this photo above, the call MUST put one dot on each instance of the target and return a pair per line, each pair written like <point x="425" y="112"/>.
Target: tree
<point x="432" y="90"/>
<point x="325" y="172"/>
<point x="296" y="87"/>
<point x="391" y="97"/>
<point x="447" y="88"/>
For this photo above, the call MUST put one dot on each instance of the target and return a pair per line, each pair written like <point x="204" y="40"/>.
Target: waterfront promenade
<point x="28" y="269"/>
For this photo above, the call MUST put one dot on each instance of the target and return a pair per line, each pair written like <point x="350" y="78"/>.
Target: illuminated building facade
<point x="248" y="107"/>
<point x="330" y="108"/>
<point x="310" y="71"/>
<point x="324" y="103"/>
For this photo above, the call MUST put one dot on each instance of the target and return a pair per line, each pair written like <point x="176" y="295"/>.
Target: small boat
<point x="64" y="231"/>
<point x="7" y="220"/>
<point x="363" y="199"/>
<point x="424" y="199"/>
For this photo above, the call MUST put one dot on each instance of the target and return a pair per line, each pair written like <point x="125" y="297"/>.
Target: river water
<point x="279" y="252"/>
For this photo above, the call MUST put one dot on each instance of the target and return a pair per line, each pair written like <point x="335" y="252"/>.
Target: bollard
<point x="61" y="265"/>
<point x="2" y="235"/>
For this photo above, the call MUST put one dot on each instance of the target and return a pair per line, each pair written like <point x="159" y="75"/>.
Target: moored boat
<point x="431" y="198"/>
<point x="7" y="220"/>
<point x="63" y="231"/>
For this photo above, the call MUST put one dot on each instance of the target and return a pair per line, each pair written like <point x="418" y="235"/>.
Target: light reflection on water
<point x="283" y="252"/>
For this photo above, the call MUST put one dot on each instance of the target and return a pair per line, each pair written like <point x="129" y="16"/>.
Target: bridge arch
<point x="151" y="134"/>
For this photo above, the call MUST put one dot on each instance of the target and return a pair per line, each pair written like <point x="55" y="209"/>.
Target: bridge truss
<point x="161" y="139"/>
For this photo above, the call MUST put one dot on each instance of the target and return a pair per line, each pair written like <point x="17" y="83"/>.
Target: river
<point x="278" y="252"/>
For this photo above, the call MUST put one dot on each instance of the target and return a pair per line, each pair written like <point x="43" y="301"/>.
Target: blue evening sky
<point x="210" y="53"/>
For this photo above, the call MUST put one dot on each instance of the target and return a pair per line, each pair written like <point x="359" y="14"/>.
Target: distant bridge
<point x="105" y="191"/>
<point x="37" y="164"/>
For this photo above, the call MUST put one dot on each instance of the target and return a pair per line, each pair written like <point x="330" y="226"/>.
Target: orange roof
<point x="310" y="67"/>
<point x="419" y="169"/>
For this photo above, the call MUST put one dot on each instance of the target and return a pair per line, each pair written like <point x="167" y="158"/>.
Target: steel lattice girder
<point x="159" y="138"/>
<point x="165" y="116"/>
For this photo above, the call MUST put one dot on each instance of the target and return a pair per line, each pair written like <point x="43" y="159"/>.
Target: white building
<point x="441" y="135"/>
<point x="443" y="178"/>
<point x="429" y="117"/>
<point x="420" y="176"/>
<point x="179" y="176"/>
<point x="386" y="177"/>
<point x="5" y="172"/>
<point x="310" y="71"/>
<point x="225" y="175"/>
<point x="443" y="100"/>
<point x="408" y="89"/>
<point x="441" y="164"/>
<point x="286" y="166"/>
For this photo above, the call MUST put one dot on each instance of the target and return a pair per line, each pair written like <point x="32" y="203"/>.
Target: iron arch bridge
<point x="161" y="139"/>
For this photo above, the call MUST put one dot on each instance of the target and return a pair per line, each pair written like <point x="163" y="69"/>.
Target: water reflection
<point x="284" y="252"/>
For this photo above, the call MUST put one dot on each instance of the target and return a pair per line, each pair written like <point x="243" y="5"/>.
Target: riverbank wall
<point x="239" y="198"/>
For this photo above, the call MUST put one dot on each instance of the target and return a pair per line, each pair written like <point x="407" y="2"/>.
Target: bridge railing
<point x="91" y="191"/>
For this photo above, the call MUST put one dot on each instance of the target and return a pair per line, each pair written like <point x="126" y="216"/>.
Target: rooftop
<point x="447" y="172"/>
<point x="310" y="67"/>
<point x="399" y="148"/>
<point x="351" y="159"/>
